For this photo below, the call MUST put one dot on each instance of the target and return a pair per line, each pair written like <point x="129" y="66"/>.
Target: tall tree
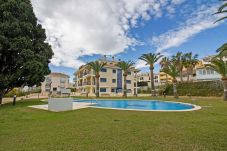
<point x="126" y="66"/>
<point x="179" y="60"/>
<point x="220" y="66"/>
<point x="222" y="10"/>
<point x="24" y="52"/>
<point x="151" y="59"/>
<point x="174" y="73"/>
<point x="190" y="62"/>
<point x="164" y="64"/>
<point x="97" y="66"/>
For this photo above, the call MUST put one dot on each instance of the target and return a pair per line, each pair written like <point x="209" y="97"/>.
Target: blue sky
<point x="87" y="30"/>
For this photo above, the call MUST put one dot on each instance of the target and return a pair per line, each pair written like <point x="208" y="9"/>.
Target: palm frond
<point x="151" y="58"/>
<point x="219" y="65"/>
<point x="171" y="70"/>
<point x="96" y="66"/>
<point x="126" y="66"/>
<point x="221" y="19"/>
<point x="221" y="11"/>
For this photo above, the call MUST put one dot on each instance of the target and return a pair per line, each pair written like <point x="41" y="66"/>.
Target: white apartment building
<point x="55" y="83"/>
<point x="111" y="80"/>
<point x="205" y="74"/>
<point x="145" y="77"/>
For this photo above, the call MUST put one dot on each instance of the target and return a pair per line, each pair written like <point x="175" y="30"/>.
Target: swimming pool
<point x="141" y="105"/>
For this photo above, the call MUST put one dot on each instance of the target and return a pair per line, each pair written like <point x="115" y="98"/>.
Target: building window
<point x="102" y="89"/>
<point x="129" y="91"/>
<point x="204" y="72"/>
<point x="47" y="89"/>
<point x="62" y="80"/>
<point x="114" y="71"/>
<point x="48" y="79"/>
<point x="113" y="90"/>
<point x="103" y="79"/>
<point x="103" y="70"/>
<point x="208" y="71"/>
<point x="119" y="90"/>
<point x="211" y="71"/>
<point x="113" y="80"/>
<point x="200" y="72"/>
<point x="54" y="89"/>
<point x="128" y="81"/>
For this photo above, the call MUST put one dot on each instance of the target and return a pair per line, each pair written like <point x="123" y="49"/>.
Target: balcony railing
<point x="88" y="73"/>
<point x="88" y="83"/>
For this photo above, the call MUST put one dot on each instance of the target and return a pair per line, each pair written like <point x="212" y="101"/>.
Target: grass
<point x="23" y="128"/>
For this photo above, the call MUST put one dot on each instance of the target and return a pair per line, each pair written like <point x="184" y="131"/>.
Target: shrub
<point x="16" y="92"/>
<point x="205" y="88"/>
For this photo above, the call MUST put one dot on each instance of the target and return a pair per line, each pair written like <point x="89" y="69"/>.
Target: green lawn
<point x="23" y="128"/>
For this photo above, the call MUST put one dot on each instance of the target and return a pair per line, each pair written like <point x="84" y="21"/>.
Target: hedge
<point x="205" y="88"/>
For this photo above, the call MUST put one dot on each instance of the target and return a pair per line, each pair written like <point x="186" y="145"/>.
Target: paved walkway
<point x="9" y="100"/>
<point x="76" y="106"/>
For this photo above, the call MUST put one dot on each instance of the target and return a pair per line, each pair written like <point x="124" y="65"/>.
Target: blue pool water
<point x="138" y="104"/>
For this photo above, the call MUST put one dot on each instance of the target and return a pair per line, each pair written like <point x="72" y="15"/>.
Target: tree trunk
<point x="97" y="86"/>
<point x="166" y="79"/>
<point x="224" y="81"/>
<point x="2" y="93"/>
<point x="1" y="97"/>
<point x="181" y="76"/>
<point x="188" y="77"/>
<point x="125" y="87"/>
<point x="175" y="89"/>
<point x="152" y="81"/>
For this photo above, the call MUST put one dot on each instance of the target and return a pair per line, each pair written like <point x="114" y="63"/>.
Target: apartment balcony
<point x="89" y="74"/>
<point x="48" y="84"/>
<point x="80" y="76"/>
<point x="88" y="83"/>
<point x="75" y="79"/>
<point x="62" y="80"/>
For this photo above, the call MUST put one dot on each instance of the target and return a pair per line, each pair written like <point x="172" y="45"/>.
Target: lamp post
<point x="14" y="99"/>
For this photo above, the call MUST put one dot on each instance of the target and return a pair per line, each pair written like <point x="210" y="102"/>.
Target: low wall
<point x="60" y="104"/>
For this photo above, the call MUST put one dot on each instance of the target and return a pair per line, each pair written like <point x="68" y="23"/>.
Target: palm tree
<point x="223" y="50"/>
<point x="151" y="59"/>
<point x="173" y="72"/>
<point x="222" y="10"/>
<point x="97" y="66"/>
<point x="164" y="64"/>
<point x="190" y="63"/>
<point x="178" y="60"/>
<point x="126" y="66"/>
<point x="220" y="66"/>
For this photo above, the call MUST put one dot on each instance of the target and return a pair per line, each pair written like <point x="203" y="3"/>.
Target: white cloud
<point x="85" y="27"/>
<point x="199" y="21"/>
<point x="140" y="64"/>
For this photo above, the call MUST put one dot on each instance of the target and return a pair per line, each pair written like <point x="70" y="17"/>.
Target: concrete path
<point x="76" y="106"/>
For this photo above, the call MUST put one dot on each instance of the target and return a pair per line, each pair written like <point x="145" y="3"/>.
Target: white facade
<point x="55" y="83"/>
<point x="145" y="77"/>
<point x="205" y="74"/>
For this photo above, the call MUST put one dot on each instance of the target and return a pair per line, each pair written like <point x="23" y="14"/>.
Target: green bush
<point x="16" y="92"/>
<point x="205" y="88"/>
<point x="144" y="91"/>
